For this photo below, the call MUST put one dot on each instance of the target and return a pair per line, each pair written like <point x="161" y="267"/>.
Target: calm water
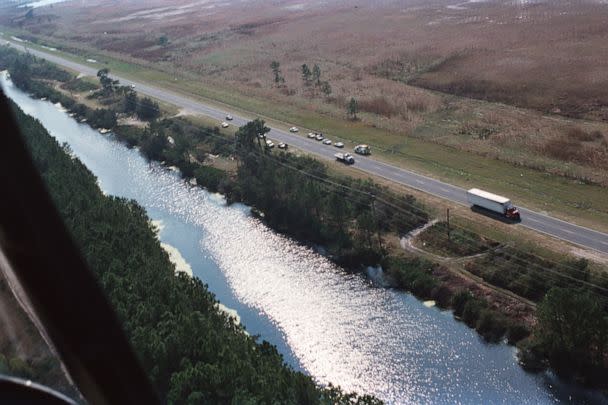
<point x="335" y="326"/>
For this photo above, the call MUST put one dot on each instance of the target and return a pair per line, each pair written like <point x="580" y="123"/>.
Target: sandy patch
<point x="181" y="265"/>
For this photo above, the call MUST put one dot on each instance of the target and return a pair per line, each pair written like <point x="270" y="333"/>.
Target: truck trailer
<point x="492" y="202"/>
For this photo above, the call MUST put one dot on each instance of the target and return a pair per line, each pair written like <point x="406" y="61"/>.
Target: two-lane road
<point x="557" y="228"/>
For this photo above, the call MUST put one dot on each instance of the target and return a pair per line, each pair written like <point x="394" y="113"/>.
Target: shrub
<point x="516" y="333"/>
<point x="209" y="177"/>
<point x="459" y="300"/>
<point x="491" y="325"/>
<point x="147" y="109"/>
<point x="413" y="274"/>
<point x="472" y="311"/>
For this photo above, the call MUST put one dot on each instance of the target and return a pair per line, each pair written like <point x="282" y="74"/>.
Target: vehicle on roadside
<point x="269" y="144"/>
<point x="282" y="145"/>
<point x="229" y="117"/>
<point x="319" y="137"/>
<point x="345" y="158"/>
<point x="492" y="202"/>
<point x="363" y="150"/>
<point x="339" y="144"/>
<point x="225" y="124"/>
<point x="327" y="142"/>
<point x="262" y="136"/>
<point x="293" y="129"/>
<point x="312" y="135"/>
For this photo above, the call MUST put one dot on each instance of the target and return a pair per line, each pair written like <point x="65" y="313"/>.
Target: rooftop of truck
<point x="489" y="196"/>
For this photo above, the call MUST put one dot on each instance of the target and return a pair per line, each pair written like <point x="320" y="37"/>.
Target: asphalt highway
<point x="554" y="227"/>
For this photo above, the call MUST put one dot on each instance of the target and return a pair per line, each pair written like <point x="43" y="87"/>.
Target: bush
<point x="516" y="333"/>
<point x="413" y="274"/>
<point x="101" y="118"/>
<point x="572" y="330"/>
<point x="130" y="135"/>
<point x="459" y="300"/>
<point x="491" y="325"/>
<point x="472" y="311"/>
<point x="80" y="86"/>
<point x="209" y="177"/>
<point x="153" y="146"/>
<point x="147" y="109"/>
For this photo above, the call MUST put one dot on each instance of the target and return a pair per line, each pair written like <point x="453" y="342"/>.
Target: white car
<point x="293" y="129"/>
<point x="311" y="135"/>
<point x="339" y="144"/>
<point x="269" y="144"/>
<point x="319" y="137"/>
<point x="282" y="145"/>
<point x="225" y="124"/>
<point x="229" y="117"/>
<point x="327" y="142"/>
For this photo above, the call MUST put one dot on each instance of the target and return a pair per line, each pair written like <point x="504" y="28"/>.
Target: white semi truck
<point x="495" y="203"/>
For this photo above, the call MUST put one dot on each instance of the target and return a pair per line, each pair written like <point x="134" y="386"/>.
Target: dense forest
<point x="192" y="352"/>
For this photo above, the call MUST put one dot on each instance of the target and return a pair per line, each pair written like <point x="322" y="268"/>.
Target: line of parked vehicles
<point x="477" y="198"/>
<point x="342" y="157"/>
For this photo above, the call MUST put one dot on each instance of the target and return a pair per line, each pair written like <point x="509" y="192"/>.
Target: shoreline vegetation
<point x="357" y="220"/>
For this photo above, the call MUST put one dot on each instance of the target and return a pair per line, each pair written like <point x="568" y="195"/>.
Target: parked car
<point x="229" y="117"/>
<point x="327" y="142"/>
<point x="293" y="129"/>
<point x="362" y="150"/>
<point x="282" y="145"/>
<point x="269" y="144"/>
<point x="339" y="144"/>
<point x="262" y="136"/>
<point x="225" y="124"/>
<point x="319" y="137"/>
<point x="312" y="135"/>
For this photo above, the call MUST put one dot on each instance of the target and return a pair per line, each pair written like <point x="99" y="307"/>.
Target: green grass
<point x="568" y="199"/>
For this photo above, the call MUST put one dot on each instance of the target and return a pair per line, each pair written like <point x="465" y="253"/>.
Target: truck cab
<point x="512" y="213"/>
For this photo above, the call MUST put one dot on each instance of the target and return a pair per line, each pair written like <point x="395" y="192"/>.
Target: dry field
<point x="549" y="58"/>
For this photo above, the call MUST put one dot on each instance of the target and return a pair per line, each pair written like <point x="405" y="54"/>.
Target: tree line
<point x="32" y="74"/>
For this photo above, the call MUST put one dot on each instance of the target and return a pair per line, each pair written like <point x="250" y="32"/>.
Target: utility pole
<point x="448" y="222"/>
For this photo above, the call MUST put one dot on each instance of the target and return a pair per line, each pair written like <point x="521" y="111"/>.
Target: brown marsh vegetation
<point x="520" y="81"/>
